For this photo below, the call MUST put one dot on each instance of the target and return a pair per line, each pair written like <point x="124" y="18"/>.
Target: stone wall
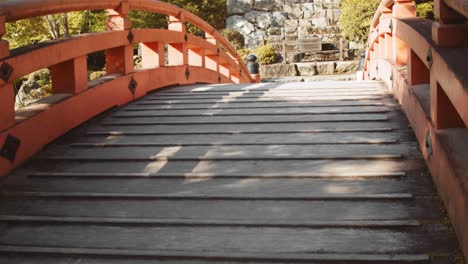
<point x="282" y="22"/>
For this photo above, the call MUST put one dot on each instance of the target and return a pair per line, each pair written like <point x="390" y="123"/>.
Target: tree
<point x="355" y="18"/>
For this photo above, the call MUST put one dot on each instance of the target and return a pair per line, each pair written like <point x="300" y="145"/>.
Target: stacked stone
<point x="282" y="22"/>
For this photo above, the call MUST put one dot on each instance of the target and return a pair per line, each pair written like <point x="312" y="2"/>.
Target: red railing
<point x="424" y="64"/>
<point x="191" y="60"/>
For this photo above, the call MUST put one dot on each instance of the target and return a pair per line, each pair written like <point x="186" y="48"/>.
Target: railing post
<point x="417" y="70"/>
<point x="451" y="30"/>
<point x="212" y="60"/>
<point x="120" y="60"/>
<point x="70" y="76"/>
<point x="443" y="113"/>
<point x="177" y="52"/>
<point x="196" y="57"/>
<point x="152" y="55"/>
<point x="401" y="9"/>
<point x="7" y="93"/>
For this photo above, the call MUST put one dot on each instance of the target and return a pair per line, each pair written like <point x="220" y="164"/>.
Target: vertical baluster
<point x="212" y="60"/>
<point x="451" y="30"/>
<point x="152" y="55"/>
<point x="120" y="60"/>
<point x="70" y="76"/>
<point x="177" y="52"/>
<point x="401" y="9"/>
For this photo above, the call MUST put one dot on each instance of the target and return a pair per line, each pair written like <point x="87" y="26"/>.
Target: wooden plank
<point x="256" y="105"/>
<point x="188" y="176"/>
<point x="334" y="98"/>
<point x="254" y="119"/>
<point x="252" y="139"/>
<point x="247" y="130"/>
<point x="304" y="95"/>
<point x="230" y="167"/>
<point x="234" y="239"/>
<point x="140" y="196"/>
<point x="351" y="151"/>
<point x="212" y="187"/>
<point x="208" y="223"/>
<point x="423" y="209"/>
<point x="152" y="256"/>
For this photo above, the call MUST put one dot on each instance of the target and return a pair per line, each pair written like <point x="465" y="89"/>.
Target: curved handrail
<point x="22" y="9"/>
<point x="192" y="60"/>
<point x="422" y="63"/>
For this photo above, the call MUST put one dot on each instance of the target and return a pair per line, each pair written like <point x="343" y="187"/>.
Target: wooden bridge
<point x="192" y="160"/>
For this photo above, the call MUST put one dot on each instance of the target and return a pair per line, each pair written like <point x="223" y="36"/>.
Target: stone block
<point x="277" y="70"/>
<point x="239" y="7"/>
<point x="307" y="69"/>
<point x="343" y="67"/>
<point x="291" y="23"/>
<point x="325" y="68"/>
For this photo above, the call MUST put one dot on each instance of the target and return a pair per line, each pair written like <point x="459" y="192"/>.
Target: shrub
<point x="266" y="54"/>
<point x="355" y="18"/>
<point x="234" y="37"/>
<point x="426" y="10"/>
<point x="96" y="74"/>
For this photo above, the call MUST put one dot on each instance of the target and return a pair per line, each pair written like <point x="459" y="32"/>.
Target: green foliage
<point x="234" y="37"/>
<point x="355" y="18"/>
<point x="93" y="75"/>
<point x="426" y="10"/>
<point x="243" y="53"/>
<point x="266" y="54"/>
<point x="145" y="19"/>
<point x="39" y="29"/>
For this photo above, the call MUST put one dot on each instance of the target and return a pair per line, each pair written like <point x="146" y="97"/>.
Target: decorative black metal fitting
<point x="5" y="71"/>
<point x="252" y="65"/>
<point x="429" y="58"/>
<point x="130" y="37"/>
<point x="391" y="25"/>
<point x="391" y="76"/>
<point x="219" y="79"/>
<point x="132" y="86"/>
<point x="377" y="67"/>
<point x="186" y="38"/>
<point x="428" y="144"/>
<point x="218" y="51"/>
<point x="187" y="73"/>
<point x="378" y="30"/>
<point x="10" y="148"/>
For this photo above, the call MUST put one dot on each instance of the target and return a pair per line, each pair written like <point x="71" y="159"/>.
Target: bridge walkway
<point x="256" y="173"/>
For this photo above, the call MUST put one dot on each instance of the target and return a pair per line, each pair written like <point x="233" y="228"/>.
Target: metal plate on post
<point x="10" y="148"/>
<point x="5" y="71"/>
<point x="132" y="85"/>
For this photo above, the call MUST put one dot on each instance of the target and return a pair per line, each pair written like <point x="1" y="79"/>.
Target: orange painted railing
<point x="75" y="100"/>
<point x="424" y="64"/>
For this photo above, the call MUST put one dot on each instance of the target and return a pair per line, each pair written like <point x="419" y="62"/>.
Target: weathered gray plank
<point x="245" y="167"/>
<point x="260" y="111"/>
<point x="319" y="138"/>
<point x="217" y="187"/>
<point x="255" y="105"/>
<point x="246" y="119"/>
<point x="352" y="151"/>
<point x="28" y="255"/>
<point x="423" y="209"/>
<point x="234" y="239"/>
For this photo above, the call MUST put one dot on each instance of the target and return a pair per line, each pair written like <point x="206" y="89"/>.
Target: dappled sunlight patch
<point x="154" y="167"/>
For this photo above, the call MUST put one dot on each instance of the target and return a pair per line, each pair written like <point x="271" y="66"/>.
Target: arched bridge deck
<point x="257" y="173"/>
